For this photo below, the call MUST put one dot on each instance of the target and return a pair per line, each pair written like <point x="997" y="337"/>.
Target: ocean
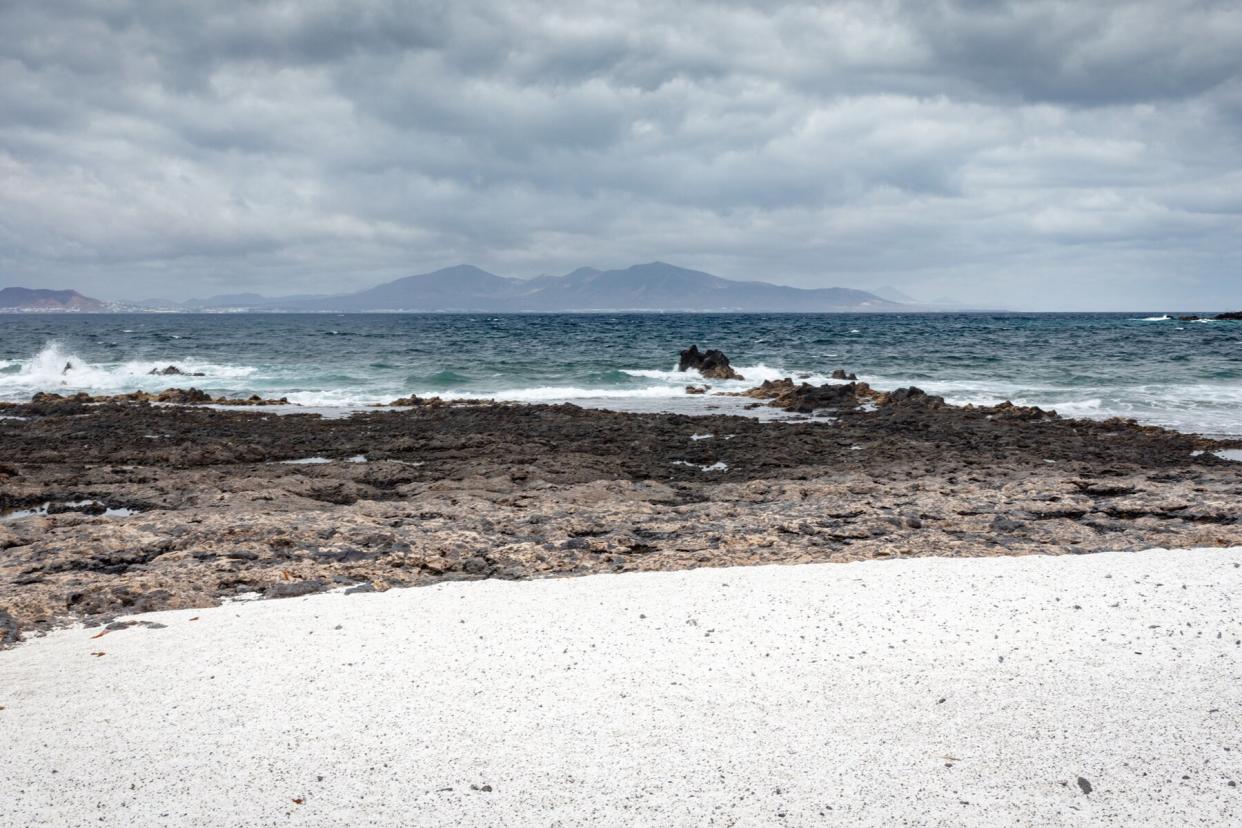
<point x="1184" y="375"/>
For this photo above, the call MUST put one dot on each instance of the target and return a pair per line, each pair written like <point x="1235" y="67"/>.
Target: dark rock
<point x="153" y="600"/>
<point x="840" y="374"/>
<point x="1084" y="785"/>
<point x="1231" y="315"/>
<point x="349" y="555"/>
<point x="9" y="633"/>
<point x="428" y="402"/>
<point x="1005" y="525"/>
<point x="174" y="371"/>
<point x="696" y="389"/>
<point x="93" y="507"/>
<point x="43" y="404"/>
<point x="910" y="396"/>
<point x="1189" y="318"/>
<point x="712" y="364"/>
<point x="293" y="589"/>
<point x="360" y="589"/>
<point x="183" y="395"/>
<point x="805" y="398"/>
<point x="1021" y="412"/>
<point x="475" y="566"/>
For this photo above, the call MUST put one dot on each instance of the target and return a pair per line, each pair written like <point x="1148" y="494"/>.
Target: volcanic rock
<point x="9" y="632"/>
<point x="173" y="370"/>
<point x="805" y="398"/>
<point x="183" y="395"/>
<point x="503" y="490"/>
<point x="713" y="364"/>
<point x="910" y="396"/>
<point x="412" y="400"/>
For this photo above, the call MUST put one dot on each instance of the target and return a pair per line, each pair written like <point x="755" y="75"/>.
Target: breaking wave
<point x="56" y="368"/>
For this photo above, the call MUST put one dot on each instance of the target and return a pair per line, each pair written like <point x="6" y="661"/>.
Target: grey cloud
<point x="1037" y="153"/>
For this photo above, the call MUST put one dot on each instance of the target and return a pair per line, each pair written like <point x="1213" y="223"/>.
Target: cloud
<point x="1036" y="153"/>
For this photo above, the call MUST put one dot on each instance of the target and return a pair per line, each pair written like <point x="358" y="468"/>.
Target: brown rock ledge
<point x="154" y="507"/>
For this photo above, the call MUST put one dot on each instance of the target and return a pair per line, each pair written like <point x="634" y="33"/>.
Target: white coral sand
<point x="1098" y="689"/>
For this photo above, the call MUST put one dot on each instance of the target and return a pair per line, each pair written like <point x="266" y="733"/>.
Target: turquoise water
<point x="1185" y="375"/>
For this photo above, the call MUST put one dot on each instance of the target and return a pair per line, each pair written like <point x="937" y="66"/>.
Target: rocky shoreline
<point x="116" y="505"/>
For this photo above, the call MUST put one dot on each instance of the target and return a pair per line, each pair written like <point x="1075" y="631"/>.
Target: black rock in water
<point x="840" y="374"/>
<point x="1231" y="315"/>
<point x="712" y="364"/>
<point x="174" y="371"/>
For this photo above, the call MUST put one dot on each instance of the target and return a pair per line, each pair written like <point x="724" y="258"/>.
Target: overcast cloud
<point x="1036" y="154"/>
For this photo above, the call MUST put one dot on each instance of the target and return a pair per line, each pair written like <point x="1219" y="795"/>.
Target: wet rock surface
<point x="174" y="371"/>
<point x="712" y="364"/>
<point x="183" y="506"/>
<point x="44" y="403"/>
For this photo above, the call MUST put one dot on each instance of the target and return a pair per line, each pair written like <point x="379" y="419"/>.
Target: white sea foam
<point x="665" y="385"/>
<point x="1209" y="408"/>
<point x="753" y="375"/>
<point x="55" y="368"/>
<point x="1154" y="319"/>
<point x="1206" y="408"/>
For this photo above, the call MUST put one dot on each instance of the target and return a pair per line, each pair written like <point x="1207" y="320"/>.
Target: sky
<point x="1033" y="155"/>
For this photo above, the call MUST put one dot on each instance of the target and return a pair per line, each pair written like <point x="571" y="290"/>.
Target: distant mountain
<point x="648" y="287"/>
<point x="661" y="286"/>
<point x="244" y="300"/>
<point x="656" y="286"/>
<point x="893" y="294"/>
<point x="38" y="299"/>
<point x="227" y="300"/>
<point x="462" y="288"/>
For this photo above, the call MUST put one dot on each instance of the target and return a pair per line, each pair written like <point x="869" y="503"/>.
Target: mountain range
<point x="647" y="287"/>
<point x="656" y="286"/>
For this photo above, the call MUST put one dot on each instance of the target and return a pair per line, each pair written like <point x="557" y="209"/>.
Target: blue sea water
<point x="1186" y="375"/>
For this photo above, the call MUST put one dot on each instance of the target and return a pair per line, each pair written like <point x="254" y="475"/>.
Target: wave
<point x="558" y="393"/>
<point x="1204" y="407"/>
<point x="1154" y="319"/>
<point x="55" y="368"/>
<point x="754" y="375"/>
<point x="1205" y="404"/>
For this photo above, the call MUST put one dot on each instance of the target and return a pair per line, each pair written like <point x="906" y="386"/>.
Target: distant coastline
<point x="656" y="287"/>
